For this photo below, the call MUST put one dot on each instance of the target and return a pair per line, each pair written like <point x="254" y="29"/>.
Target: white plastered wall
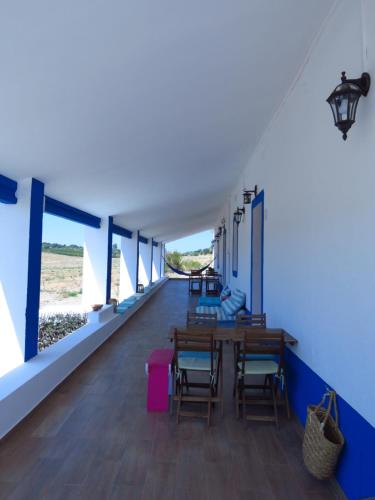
<point x="144" y="263"/>
<point x="156" y="263"/>
<point x="95" y="255"/>
<point x="128" y="267"/>
<point x="319" y="261"/>
<point x="14" y="252"/>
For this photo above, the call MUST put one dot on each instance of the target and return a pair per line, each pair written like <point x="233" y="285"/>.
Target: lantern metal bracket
<point x="363" y="83"/>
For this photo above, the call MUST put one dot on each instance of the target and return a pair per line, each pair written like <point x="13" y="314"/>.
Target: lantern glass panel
<point x="246" y="198"/>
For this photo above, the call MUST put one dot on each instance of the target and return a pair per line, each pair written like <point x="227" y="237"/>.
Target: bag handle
<point x="332" y="401"/>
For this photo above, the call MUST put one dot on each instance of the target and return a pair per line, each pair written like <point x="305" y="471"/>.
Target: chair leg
<point x="274" y="401"/>
<point x="237" y="395"/>
<point x="286" y="396"/>
<point x="221" y="388"/>
<point x="179" y="404"/>
<point x="243" y="397"/>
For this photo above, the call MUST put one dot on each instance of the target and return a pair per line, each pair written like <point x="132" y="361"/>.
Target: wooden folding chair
<point x="244" y="321"/>
<point x="196" y="352"/>
<point x="206" y="319"/>
<point x="212" y="285"/>
<point x="261" y="344"/>
<point x="195" y="283"/>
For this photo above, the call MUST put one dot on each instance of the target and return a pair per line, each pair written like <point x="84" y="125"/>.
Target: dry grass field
<point x="61" y="279"/>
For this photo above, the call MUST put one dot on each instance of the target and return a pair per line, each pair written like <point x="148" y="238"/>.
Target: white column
<point x="128" y="267"/>
<point x="162" y="252"/>
<point x="95" y="257"/>
<point x="144" y="263"/>
<point x="14" y="254"/>
<point x="155" y="263"/>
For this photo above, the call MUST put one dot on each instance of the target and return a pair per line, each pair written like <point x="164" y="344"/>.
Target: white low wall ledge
<point x="22" y="389"/>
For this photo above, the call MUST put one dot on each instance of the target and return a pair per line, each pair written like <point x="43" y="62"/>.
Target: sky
<point x="193" y="242"/>
<point x="65" y="232"/>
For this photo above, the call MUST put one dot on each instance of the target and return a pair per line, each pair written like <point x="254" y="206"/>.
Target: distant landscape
<point x="62" y="267"/>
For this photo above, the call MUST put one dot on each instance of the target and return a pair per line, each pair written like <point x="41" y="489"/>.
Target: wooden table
<point x="233" y="333"/>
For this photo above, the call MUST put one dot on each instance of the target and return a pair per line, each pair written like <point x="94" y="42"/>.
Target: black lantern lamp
<point x="344" y="100"/>
<point x="237" y="216"/>
<point x="247" y="194"/>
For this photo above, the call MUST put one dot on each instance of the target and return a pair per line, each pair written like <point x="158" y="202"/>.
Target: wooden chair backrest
<point x="257" y="342"/>
<point x="252" y="320"/>
<point x="196" y="319"/>
<point x="194" y="341"/>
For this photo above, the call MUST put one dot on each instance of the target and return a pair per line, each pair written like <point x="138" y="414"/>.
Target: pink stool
<point x="159" y="370"/>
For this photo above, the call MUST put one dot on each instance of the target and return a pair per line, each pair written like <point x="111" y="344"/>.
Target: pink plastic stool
<point x="159" y="370"/>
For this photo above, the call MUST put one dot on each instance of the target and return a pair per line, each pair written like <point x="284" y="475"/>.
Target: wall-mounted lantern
<point x="247" y="194"/>
<point x="237" y="215"/>
<point x="344" y="100"/>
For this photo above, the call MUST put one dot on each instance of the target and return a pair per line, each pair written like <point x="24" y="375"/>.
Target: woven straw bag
<point x="323" y="440"/>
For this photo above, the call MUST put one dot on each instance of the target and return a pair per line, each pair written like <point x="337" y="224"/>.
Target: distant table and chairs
<point x="210" y="282"/>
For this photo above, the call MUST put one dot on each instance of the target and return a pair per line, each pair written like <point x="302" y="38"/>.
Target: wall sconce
<point x="247" y="194"/>
<point x="237" y="216"/>
<point x="344" y="100"/>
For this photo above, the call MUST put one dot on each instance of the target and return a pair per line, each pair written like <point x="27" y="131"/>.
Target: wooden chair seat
<point x="260" y="344"/>
<point x="197" y="352"/>
<point x="259" y="367"/>
<point x="196" y="362"/>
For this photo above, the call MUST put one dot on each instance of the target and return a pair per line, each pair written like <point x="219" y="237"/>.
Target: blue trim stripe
<point x="109" y="259"/>
<point x="142" y="239"/>
<point x="152" y="258"/>
<point x="8" y="189"/>
<point x="355" y="472"/>
<point x="259" y="199"/>
<point x="137" y="268"/>
<point x="34" y="269"/>
<point x="155" y="243"/>
<point x="60" y="209"/>
<point x="121" y="231"/>
<point x="161" y="258"/>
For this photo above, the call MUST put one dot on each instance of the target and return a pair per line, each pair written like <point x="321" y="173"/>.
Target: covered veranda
<point x="147" y="121"/>
<point x="92" y="437"/>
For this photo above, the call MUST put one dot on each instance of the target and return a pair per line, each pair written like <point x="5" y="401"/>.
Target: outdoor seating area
<point x="97" y="420"/>
<point x="186" y="261"/>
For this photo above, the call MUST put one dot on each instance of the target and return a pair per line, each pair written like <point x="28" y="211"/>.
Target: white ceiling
<point x="146" y="110"/>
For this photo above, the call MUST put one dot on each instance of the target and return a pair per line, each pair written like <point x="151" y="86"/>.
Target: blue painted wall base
<point x="356" y="468"/>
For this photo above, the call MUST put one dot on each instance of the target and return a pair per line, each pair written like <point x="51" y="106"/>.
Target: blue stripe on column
<point x="152" y="258"/>
<point x="109" y="259"/>
<point x="60" y="209"/>
<point x="8" y="189"/>
<point x="137" y="268"/>
<point x="155" y="243"/>
<point x="121" y="231"/>
<point x="34" y="269"/>
<point x="142" y="239"/>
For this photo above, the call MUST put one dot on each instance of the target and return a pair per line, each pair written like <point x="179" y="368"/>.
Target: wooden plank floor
<point x="92" y="438"/>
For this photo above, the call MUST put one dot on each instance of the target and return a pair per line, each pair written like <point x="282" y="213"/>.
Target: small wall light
<point x="247" y="194"/>
<point x="344" y="100"/>
<point x="237" y="216"/>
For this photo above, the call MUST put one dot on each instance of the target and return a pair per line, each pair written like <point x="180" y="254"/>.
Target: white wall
<point x="156" y="263"/>
<point x="144" y="263"/>
<point x="319" y="268"/>
<point x="128" y="267"/>
<point x="95" y="255"/>
<point x="14" y="252"/>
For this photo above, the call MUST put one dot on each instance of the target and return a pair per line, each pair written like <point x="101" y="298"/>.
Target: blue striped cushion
<point x="235" y="302"/>
<point x="225" y="292"/>
<point x="210" y="310"/>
